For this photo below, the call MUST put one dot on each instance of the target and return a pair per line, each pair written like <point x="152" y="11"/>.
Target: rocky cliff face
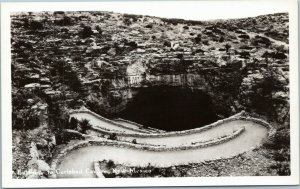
<point x="101" y="59"/>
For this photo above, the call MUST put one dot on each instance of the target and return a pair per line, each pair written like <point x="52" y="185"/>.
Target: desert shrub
<point x="110" y="164"/>
<point x="63" y="21"/>
<point x="281" y="139"/>
<point x="193" y="22"/>
<point x="240" y="32"/>
<point x="19" y="99"/>
<point x="73" y="123"/>
<point x="132" y="44"/>
<point x="59" y="124"/>
<point x="113" y="136"/>
<point x="227" y="46"/>
<point x="35" y="25"/>
<point x="150" y="26"/>
<point x="280" y="48"/>
<point x="17" y="122"/>
<point x="132" y="17"/>
<point x="260" y="40"/>
<point x="98" y="29"/>
<point x="73" y="81"/>
<point x="280" y="144"/>
<point x="217" y="31"/>
<point x="244" y="36"/>
<point x="127" y="21"/>
<point x="281" y="156"/>
<point x="221" y="39"/>
<point x="167" y="43"/>
<point x="64" y="30"/>
<point x="109" y="175"/>
<point x="65" y="137"/>
<point x="84" y="125"/>
<point x="56" y="118"/>
<point x="32" y="121"/>
<point x="282" y="168"/>
<point x="246" y="47"/>
<point x="245" y="54"/>
<point x="32" y="24"/>
<point x="155" y="171"/>
<point x="205" y="42"/>
<point x="134" y="141"/>
<point x="58" y="12"/>
<point x="22" y="116"/>
<point x="73" y="103"/>
<point x="173" y="21"/>
<point x="22" y="43"/>
<point x="169" y="172"/>
<point x="86" y="32"/>
<point x="198" y="38"/>
<point x="96" y="88"/>
<point x="199" y="51"/>
<point x="275" y="55"/>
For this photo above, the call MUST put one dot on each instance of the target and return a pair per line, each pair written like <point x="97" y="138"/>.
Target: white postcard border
<point x="6" y="108"/>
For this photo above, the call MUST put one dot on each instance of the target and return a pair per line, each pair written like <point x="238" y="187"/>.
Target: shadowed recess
<point x="170" y="108"/>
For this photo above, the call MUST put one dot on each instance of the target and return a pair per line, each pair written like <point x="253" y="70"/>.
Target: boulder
<point x="33" y="85"/>
<point x="36" y="169"/>
<point x="41" y="144"/>
<point x="30" y="101"/>
<point x="140" y="50"/>
<point x="112" y="52"/>
<point x="280" y="95"/>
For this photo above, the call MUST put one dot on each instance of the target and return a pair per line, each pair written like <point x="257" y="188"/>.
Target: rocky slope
<point x="241" y="165"/>
<point x="100" y="59"/>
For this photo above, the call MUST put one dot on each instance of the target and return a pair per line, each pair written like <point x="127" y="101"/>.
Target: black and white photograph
<point x="155" y="91"/>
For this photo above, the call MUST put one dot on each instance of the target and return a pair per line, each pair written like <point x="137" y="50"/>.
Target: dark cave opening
<point x="170" y="108"/>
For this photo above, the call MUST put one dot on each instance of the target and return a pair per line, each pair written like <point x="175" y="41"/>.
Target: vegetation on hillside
<point x="63" y="60"/>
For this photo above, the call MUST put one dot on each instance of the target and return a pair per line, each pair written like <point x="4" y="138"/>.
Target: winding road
<point x="104" y="123"/>
<point x="80" y="161"/>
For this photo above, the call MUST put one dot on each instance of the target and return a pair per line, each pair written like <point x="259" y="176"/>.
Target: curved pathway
<point x="169" y="139"/>
<point x="104" y="123"/>
<point x="80" y="161"/>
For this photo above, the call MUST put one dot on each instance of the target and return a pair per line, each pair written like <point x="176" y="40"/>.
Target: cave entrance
<point x="170" y="108"/>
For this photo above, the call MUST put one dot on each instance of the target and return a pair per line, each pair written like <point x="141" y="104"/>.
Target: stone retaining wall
<point x="71" y="131"/>
<point x="172" y="133"/>
<point x="105" y="120"/>
<point x="63" y="153"/>
<point x="238" y="116"/>
<point x="271" y="129"/>
<point x="130" y="122"/>
<point x="143" y="147"/>
<point x="139" y="125"/>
